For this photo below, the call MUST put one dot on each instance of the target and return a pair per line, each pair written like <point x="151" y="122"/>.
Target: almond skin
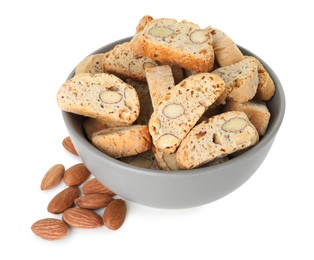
<point x="82" y="218"/>
<point x="50" y="228"/>
<point x="53" y="177"/>
<point x="68" y="145"/>
<point x="63" y="200"/>
<point x="93" y="201"/>
<point x="114" y="214"/>
<point x="93" y="186"/>
<point x="76" y="175"/>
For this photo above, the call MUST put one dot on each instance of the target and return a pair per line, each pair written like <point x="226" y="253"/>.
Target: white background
<point x="269" y="217"/>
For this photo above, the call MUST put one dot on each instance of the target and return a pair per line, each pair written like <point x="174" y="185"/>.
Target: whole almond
<point x="76" y="175"/>
<point x="94" y="186"/>
<point x="93" y="201"/>
<point x="53" y="177"/>
<point x="68" y="145"/>
<point x="114" y="214"/>
<point x="82" y="218"/>
<point x="50" y="228"/>
<point x="63" y="200"/>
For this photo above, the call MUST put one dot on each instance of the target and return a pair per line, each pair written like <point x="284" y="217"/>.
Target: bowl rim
<point x="269" y="136"/>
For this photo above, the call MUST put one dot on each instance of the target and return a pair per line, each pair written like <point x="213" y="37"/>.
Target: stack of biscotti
<point x="176" y="96"/>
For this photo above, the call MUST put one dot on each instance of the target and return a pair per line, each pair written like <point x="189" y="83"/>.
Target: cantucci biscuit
<point x="216" y="137"/>
<point x="266" y="86"/>
<point x="160" y="80"/>
<point x="256" y="111"/>
<point x="122" y="141"/>
<point x="180" y="109"/>
<point x="101" y="96"/>
<point x="226" y="51"/>
<point x="124" y="62"/>
<point x="182" y="43"/>
<point x="241" y="79"/>
<point x="91" y="64"/>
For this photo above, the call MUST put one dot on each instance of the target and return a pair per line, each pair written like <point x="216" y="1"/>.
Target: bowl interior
<point x="276" y="107"/>
<point x="148" y="184"/>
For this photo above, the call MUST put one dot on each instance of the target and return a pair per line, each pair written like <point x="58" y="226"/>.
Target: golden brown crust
<point x="226" y="51"/>
<point x="176" y="48"/>
<point x="256" y="111"/>
<point x="241" y="79"/>
<point x="91" y="64"/>
<point x="82" y="95"/>
<point x="123" y="141"/>
<point x="143" y="22"/>
<point x="180" y="109"/>
<point x="216" y="137"/>
<point x="124" y="62"/>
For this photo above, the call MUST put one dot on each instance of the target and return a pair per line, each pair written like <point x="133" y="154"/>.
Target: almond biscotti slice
<point x="226" y="51"/>
<point x="160" y="81"/>
<point x="122" y="61"/>
<point x="182" y="43"/>
<point x="91" y="64"/>
<point x="266" y="86"/>
<point x="241" y="79"/>
<point x="101" y="96"/>
<point x="122" y="141"/>
<point x="217" y="137"/>
<point x="256" y="111"/>
<point x="181" y="108"/>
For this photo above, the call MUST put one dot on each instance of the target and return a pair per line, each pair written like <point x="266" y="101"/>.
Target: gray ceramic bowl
<point x="176" y="189"/>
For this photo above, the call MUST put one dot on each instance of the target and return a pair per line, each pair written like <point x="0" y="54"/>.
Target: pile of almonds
<point x="82" y="215"/>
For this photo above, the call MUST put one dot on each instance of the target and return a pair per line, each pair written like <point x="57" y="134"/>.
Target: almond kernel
<point x="50" y="229"/>
<point x="160" y="31"/>
<point x="173" y="111"/>
<point x="199" y="36"/>
<point x="53" y="177"/>
<point x="235" y="124"/>
<point x="110" y="97"/>
<point x="167" y="140"/>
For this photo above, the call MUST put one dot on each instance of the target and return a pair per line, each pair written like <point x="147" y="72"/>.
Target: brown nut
<point x="114" y="214"/>
<point x="93" y="201"/>
<point x="76" y="175"/>
<point x="94" y="186"/>
<point x="53" y="177"/>
<point x="82" y="218"/>
<point x="50" y="228"/>
<point x="63" y="200"/>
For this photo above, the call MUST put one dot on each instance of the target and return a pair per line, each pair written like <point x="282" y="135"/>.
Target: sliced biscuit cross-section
<point x="181" y="108"/>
